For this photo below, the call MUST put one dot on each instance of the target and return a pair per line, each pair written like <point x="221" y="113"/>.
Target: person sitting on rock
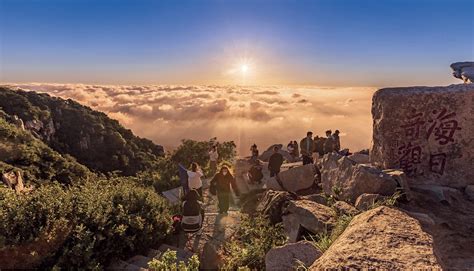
<point x="193" y="213"/>
<point x="275" y="162"/>
<point x="221" y="184"/>
<point x="329" y="142"/>
<point x="255" y="173"/>
<point x="194" y="178"/>
<point x="254" y="151"/>
<point x="306" y="145"/>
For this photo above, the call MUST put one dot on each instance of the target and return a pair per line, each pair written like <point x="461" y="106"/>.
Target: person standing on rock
<point x="306" y="145"/>
<point x="329" y="142"/>
<point x="221" y="184"/>
<point x="297" y="149"/>
<point x="213" y="157"/>
<point x="254" y="151"/>
<point x="275" y="162"/>
<point x="337" y="141"/>
<point x="194" y="178"/>
<point x="291" y="148"/>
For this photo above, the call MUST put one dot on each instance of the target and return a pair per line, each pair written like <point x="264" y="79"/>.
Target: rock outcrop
<point x="290" y="256"/>
<point x="294" y="179"/>
<point x="272" y="203"/>
<point x="13" y="180"/>
<point x="308" y="215"/>
<point x="428" y="132"/>
<point x="365" y="201"/>
<point x="383" y="239"/>
<point x="464" y="71"/>
<point x="347" y="180"/>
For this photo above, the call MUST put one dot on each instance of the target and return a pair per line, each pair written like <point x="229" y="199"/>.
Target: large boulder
<point x="381" y="239"/>
<point x="428" y="132"/>
<point x="289" y="256"/>
<point x="464" y="71"/>
<point x="345" y="179"/>
<point x="272" y="203"/>
<point x="365" y="201"/>
<point x="359" y="158"/>
<point x="297" y="178"/>
<point x="308" y="215"/>
<point x="344" y="208"/>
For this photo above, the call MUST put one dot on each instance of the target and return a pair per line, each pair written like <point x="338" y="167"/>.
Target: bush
<point x="108" y="218"/>
<point x="255" y="237"/>
<point x="168" y="262"/>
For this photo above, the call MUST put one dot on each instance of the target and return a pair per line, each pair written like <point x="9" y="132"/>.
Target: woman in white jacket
<point x="194" y="178"/>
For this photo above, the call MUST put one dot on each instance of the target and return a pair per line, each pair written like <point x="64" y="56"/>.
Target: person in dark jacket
<point x="337" y="141"/>
<point x="193" y="214"/>
<point x="222" y="183"/>
<point x="275" y="162"/>
<point x="329" y="142"/>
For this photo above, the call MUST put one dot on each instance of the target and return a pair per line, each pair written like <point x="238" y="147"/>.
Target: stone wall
<point x="426" y="131"/>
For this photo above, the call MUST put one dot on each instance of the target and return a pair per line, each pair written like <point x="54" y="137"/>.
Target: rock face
<point x="347" y="180"/>
<point x="428" y="132"/>
<point x="470" y="192"/>
<point x="382" y="239"/>
<point x="272" y="203"/>
<point x="14" y="180"/>
<point x="365" y="200"/>
<point x="287" y="257"/>
<point x="298" y="178"/>
<point x="344" y="208"/>
<point x="306" y="214"/>
<point x="359" y="158"/>
<point x="464" y="71"/>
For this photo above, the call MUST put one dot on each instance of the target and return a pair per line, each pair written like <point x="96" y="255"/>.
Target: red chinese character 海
<point x="443" y="127"/>
<point x="413" y="125"/>
<point x="410" y="159"/>
<point x="437" y="163"/>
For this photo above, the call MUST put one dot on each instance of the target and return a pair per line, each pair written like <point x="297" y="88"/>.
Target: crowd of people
<point x="223" y="182"/>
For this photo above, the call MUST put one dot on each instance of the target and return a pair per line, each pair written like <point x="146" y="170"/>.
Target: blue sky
<point x="320" y="42"/>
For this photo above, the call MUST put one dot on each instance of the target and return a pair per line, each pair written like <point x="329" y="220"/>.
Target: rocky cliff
<point x="94" y="139"/>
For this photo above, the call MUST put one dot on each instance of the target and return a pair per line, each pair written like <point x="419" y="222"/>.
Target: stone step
<point x="123" y="265"/>
<point x="140" y="260"/>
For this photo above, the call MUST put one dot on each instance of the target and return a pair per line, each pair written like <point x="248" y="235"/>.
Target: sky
<point x="260" y="42"/>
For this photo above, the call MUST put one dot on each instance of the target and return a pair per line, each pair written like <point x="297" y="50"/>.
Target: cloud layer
<point x="247" y="115"/>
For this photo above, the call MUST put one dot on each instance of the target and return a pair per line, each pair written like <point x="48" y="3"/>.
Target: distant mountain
<point x="91" y="137"/>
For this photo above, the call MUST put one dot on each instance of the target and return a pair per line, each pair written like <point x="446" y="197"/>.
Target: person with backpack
<point x="193" y="214"/>
<point x="221" y="186"/>
<point x="255" y="173"/>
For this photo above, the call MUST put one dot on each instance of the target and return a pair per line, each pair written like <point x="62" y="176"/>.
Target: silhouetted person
<point x="337" y="141"/>
<point x="297" y="149"/>
<point x="329" y="142"/>
<point x="306" y="145"/>
<point x="213" y="157"/>
<point x="275" y="162"/>
<point x="221" y="184"/>
<point x="254" y="152"/>
<point x="255" y="173"/>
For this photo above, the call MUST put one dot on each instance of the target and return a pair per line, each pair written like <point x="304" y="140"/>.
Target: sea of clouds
<point x="246" y="114"/>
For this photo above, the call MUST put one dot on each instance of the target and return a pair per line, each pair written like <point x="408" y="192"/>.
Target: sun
<point x="244" y="68"/>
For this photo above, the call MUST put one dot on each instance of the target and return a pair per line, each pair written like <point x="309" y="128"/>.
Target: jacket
<point x="306" y="146"/>
<point x="222" y="183"/>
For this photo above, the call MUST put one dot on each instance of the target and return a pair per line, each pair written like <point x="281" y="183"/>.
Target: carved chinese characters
<point x="426" y="132"/>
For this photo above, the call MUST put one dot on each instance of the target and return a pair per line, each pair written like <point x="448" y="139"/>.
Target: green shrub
<point x="254" y="238"/>
<point x="324" y="240"/>
<point x="168" y="262"/>
<point x="108" y="218"/>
